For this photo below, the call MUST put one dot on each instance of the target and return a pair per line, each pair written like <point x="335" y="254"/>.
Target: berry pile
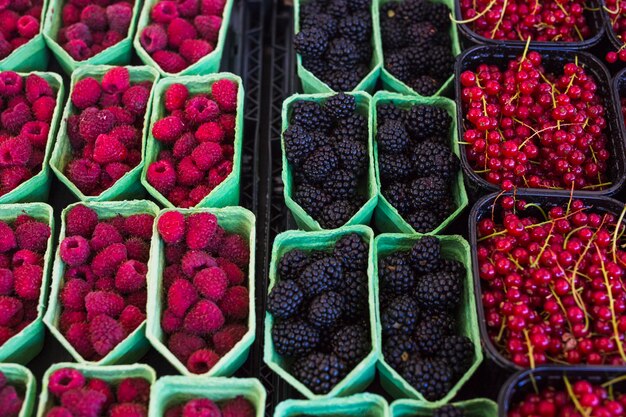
<point x="20" y="22"/>
<point x="449" y="411"/>
<point x="527" y="127"/>
<point x="11" y="399"/>
<point x="88" y="29"/>
<point x="23" y="245"/>
<point x="518" y="20"/>
<point x="205" y="293"/>
<point x="326" y="146"/>
<point x="320" y="307"/>
<point x="416" y="43"/>
<point x="201" y="407"/>
<point x="572" y="398"/>
<point x="196" y="140"/>
<point x="106" y="129"/>
<point x="616" y="10"/>
<point x="103" y="296"/>
<point x="182" y="32"/>
<point x="552" y="283"/>
<point x="26" y="109"/>
<point x="415" y="163"/>
<point x="75" y="395"/>
<point x="420" y="292"/>
<point x="335" y="41"/>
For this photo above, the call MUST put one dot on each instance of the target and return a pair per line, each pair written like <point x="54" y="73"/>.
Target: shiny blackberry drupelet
<point x="394" y="167"/>
<point x="430" y="377"/>
<point x="392" y="137"/>
<point x="429" y="337"/>
<point x="285" y="299"/>
<point x="438" y="291"/>
<point x="425" y="255"/>
<point x="353" y="252"/>
<point x="423" y="221"/>
<point x="322" y="21"/>
<point x="345" y="80"/>
<point x="320" y="165"/>
<point x="395" y="273"/>
<point x="352" y="343"/>
<point x="392" y="31"/>
<point x="338" y="8"/>
<point x="354" y="289"/>
<point x="321" y="276"/>
<point x="398" y="350"/>
<point x="292" y="264"/>
<point x="400" y="317"/>
<point x="340" y="106"/>
<point x="320" y="372"/>
<point x="355" y="28"/>
<point x="352" y="155"/>
<point x="299" y="144"/>
<point x="424" y="85"/>
<point x="337" y="213"/>
<point x="388" y="111"/>
<point x="326" y="309"/>
<point x="427" y="192"/>
<point x="448" y="411"/>
<point x="439" y="15"/>
<point x="421" y="33"/>
<point x="294" y="338"/>
<point x="311" y="42"/>
<point x="458" y="352"/>
<point x="440" y="61"/>
<point x="342" y="53"/>
<point x="310" y="115"/>
<point x="398" y="64"/>
<point x="312" y="199"/>
<point x="426" y="121"/>
<point x="353" y="127"/>
<point x="455" y="267"/>
<point x="397" y="195"/>
<point x="436" y="159"/>
<point x="414" y="10"/>
<point x="359" y="5"/>
<point x="342" y="184"/>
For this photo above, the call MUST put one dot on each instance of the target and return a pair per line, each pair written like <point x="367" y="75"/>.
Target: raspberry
<point x="74" y="250"/>
<point x="33" y="236"/>
<point x="139" y="225"/>
<point x="175" y="97"/>
<point x="11" y="311"/>
<point x="200" y="109"/>
<point x="116" y="80"/>
<point x="138" y="299"/>
<point x="27" y="26"/>
<point x="108" y="260"/>
<point x="80" y="220"/>
<point x="119" y="16"/>
<point x="162" y="176"/>
<point x="171" y="226"/>
<point x="83" y="272"/>
<point x="198" y="193"/>
<point x="135" y="99"/>
<point x="12" y="177"/>
<point x="69" y="317"/>
<point x="104" y="284"/>
<point x="70" y="14"/>
<point x="103" y="303"/>
<point x="59" y="412"/>
<point x="170" y="322"/>
<point x="10" y="401"/>
<point x="238" y="407"/>
<point x="6" y="281"/>
<point x="178" y="30"/>
<point x="131" y="276"/>
<point x="104" y="235"/>
<point x="128" y="410"/>
<point x="169" y="61"/>
<point x="211" y="283"/>
<point x="207" y="155"/>
<point x="94" y="16"/>
<point x="228" y="122"/>
<point x="14" y="117"/>
<point x="10" y="83"/>
<point x="153" y="38"/>
<point x="131" y="318"/>
<point x="201" y="362"/>
<point x="137" y="249"/>
<point x="188" y="173"/>
<point x="188" y="8"/>
<point x="15" y="151"/>
<point x="235" y="302"/>
<point x="227" y="337"/>
<point x="86" y="93"/>
<point x="203" y="318"/>
<point x="201" y="229"/>
<point x="105" y="333"/>
<point x="195" y="49"/>
<point x="8" y="240"/>
<point x="133" y="390"/>
<point x="113" y="172"/>
<point x="164" y="12"/>
<point x="94" y="122"/>
<point x="65" y="379"/>
<point x="210" y="132"/>
<point x="127" y="135"/>
<point x="168" y="129"/>
<point x="182" y="345"/>
<point x="195" y="260"/>
<point x="80" y="32"/>
<point x="78" y="336"/>
<point x="73" y="294"/>
<point x="36" y="133"/>
<point x="178" y="195"/>
<point x="224" y="92"/>
<point x="78" y="49"/>
<point x="83" y="402"/>
<point x="171" y="274"/>
<point x="218" y="174"/>
<point x="5" y="334"/>
<point x="102" y="387"/>
<point x="36" y="87"/>
<point x="180" y="297"/>
<point x="212" y="7"/>
<point x="175" y="411"/>
<point x="122" y="116"/>
<point x="43" y="108"/>
<point x="235" y="249"/>
<point x="28" y="280"/>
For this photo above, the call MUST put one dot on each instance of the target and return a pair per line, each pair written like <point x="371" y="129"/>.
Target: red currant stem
<point x="571" y="197"/>
<point x="571" y="80"/>
<point x="536" y="132"/>
<point x="501" y="332"/>
<point x="616" y="11"/>
<point x="587" y="277"/>
<point x="562" y="8"/>
<point x="538" y="207"/>
<point x="576" y="294"/>
<point x="615" y="236"/>
<point x="583" y="411"/>
<point x="535" y="8"/>
<point x="463" y="143"/>
<point x="592" y="186"/>
<point x="497" y="26"/>
<point x="524" y="54"/>
<point x="478" y="15"/>
<point x="614" y="381"/>
<point x="531" y="356"/>
<point x="517" y="265"/>
<point x="571" y="233"/>
<point x="493" y="206"/>
<point x="580" y="35"/>
<point x="560" y="303"/>
<point x="543" y="248"/>
<point x="501" y="232"/>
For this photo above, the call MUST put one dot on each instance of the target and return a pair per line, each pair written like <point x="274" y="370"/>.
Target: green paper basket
<point x="25" y="382"/>
<point x="386" y="217"/>
<point x="389" y="81"/>
<point x="127" y="187"/>
<point x="358" y="405"/>
<point x="206" y="65"/>
<point x="478" y="407"/>
<point x="37" y="188"/>
<point x="452" y="247"/>
<point x="311" y="84"/>
<point x="234" y="220"/>
<point x="302" y="218"/>
<point x="363" y="373"/>
<point x="135" y="345"/>
<point x="111" y="374"/>
<point x="118" y="54"/>
<point x="225" y="194"/>
<point x="33" y="55"/>
<point x="27" y="344"/>
<point x="169" y="391"/>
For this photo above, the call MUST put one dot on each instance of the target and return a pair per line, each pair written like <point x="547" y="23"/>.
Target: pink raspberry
<point x="170" y="274"/>
<point x="184" y="146"/>
<point x="131" y="276"/>
<point x="211" y="283"/>
<point x="193" y="50"/>
<point x="228" y="122"/>
<point x="153" y="38"/>
<point x="207" y="155"/>
<point x="228" y="337"/>
<point x="235" y="303"/>
<point x="111" y="38"/>
<point x="122" y="116"/>
<point x="162" y="176"/>
<point x="36" y="133"/>
<point x="104" y="284"/>
<point x="164" y="12"/>
<point x="166" y="155"/>
<point x="169" y="61"/>
<point x="36" y="87"/>
<point x="175" y="411"/>
<point x="128" y="410"/>
<point x="65" y="379"/>
<point x="188" y="173"/>
<point x="73" y="294"/>
<point x="11" y="311"/>
<point x="182" y="345"/>
<point x="14" y="117"/>
<point x="94" y="123"/>
<point x="117" y="222"/>
<point x="6" y="281"/>
<point x="80" y="220"/>
<point x="8" y="23"/>
<point x="200" y="109"/>
<point x="36" y="160"/>
<point x="170" y="322"/>
<point x="43" y="108"/>
<point x="212" y="7"/>
<point x="203" y="318"/>
<point x="171" y="226"/>
<point x="59" y="412"/>
<point x="174" y="253"/>
<point x="233" y="273"/>
<point x="201" y="362"/>
<point x="78" y="336"/>
<point x="208" y="27"/>
<point x="15" y="152"/>
<point x="108" y="260"/>
<point x="10" y="402"/>
<point x="11" y="177"/>
<point x="138" y="299"/>
<point x="175" y="97"/>
<point x="178" y="30"/>
<point x="135" y="99"/>
<point x="105" y="333"/>
<point x="78" y="49"/>
<point x="69" y="317"/>
<point x="28" y="26"/>
<point x="116" y="80"/>
<point x="180" y="297"/>
<point x="139" y="225"/>
<point x="5" y="48"/>
<point x="137" y="249"/>
<point x="74" y="250"/>
<point x="201" y="229"/>
<point x="113" y="172"/>
<point x="86" y="93"/>
<point x="235" y="248"/>
<point x="94" y="16"/>
<point x="33" y="236"/>
<point x="224" y="92"/>
<point x="83" y="272"/>
<point x="79" y="32"/>
<point x="201" y="407"/>
<point x="188" y="8"/>
<point x="218" y="174"/>
<point x="210" y="132"/>
<point x="10" y="83"/>
<point x="131" y="317"/>
<point x="109" y="99"/>
<point x="104" y="235"/>
<point x="28" y="280"/>
<point x="198" y="193"/>
<point x="127" y="135"/>
<point x="195" y="260"/>
<point x="178" y="195"/>
<point x="133" y="390"/>
<point x="103" y="302"/>
<point x="83" y="402"/>
<point x="134" y="157"/>
<point x="70" y="14"/>
<point x="119" y="16"/>
<point x="104" y="388"/>
<point x="168" y="129"/>
<point x="5" y="334"/>
<point x="8" y="240"/>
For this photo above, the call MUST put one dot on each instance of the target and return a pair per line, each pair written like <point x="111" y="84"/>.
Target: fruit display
<point x="476" y="407"/>
<point x="194" y="141"/>
<point x="615" y="12"/>
<point x="205" y="293"/>
<point x="334" y="41"/>
<point x="11" y="397"/>
<point x="552" y="280"/>
<point x="417" y="48"/>
<point x="235" y="407"/>
<point x="416" y="165"/>
<point x="327" y="149"/>
<point x="538" y="122"/>
<point x="21" y="21"/>
<point x="321" y="314"/>
<point x="364" y="404"/>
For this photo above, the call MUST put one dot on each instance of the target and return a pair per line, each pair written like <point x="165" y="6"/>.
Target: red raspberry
<point x="171" y="274"/>
<point x="84" y="173"/>
<point x="94" y="122"/>
<point x="86" y="93"/>
<point x="235" y="248"/>
<point x="238" y="407"/>
<point x="78" y="49"/>
<point x="180" y="297"/>
<point x="228" y="122"/>
<point x="135" y="99"/>
<point x="200" y="109"/>
<point x="182" y="345"/>
<point x="36" y="133"/>
<point x="36" y="87"/>
<point x="103" y="302"/>
<point x="127" y="135"/>
<point x="228" y="337"/>
<point x="8" y="240"/>
<point x="139" y="225"/>
<point x="105" y="284"/>
<point x="14" y="117"/>
<point x="210" y="132"/>
<point x="203" y="318"/>
<point x="6" y="281"/>
<point x="184" y="146"/>
<point x="138" y="299"/>
<point x="5" y="334"/>
<point x="65" y="379"/>
<point x="212" y="7"/>
<point x="176" y="411"/>
<point x="198" y="193"/>
<point x="11" y="311"/>
<point x="169" y="61"/>
<point x="117" y="222"/>
<point x="28" y="26"/>
<point x="59" y="412"/>
<point x="128" y="410"/>
<point x="26" y="257"/>
<point x="102" y="387"/>
<point x="201" y="362"/>
<point x="178" y="195"/>
<point x="168" y="129"/>
<point x="193" y="50"/>
<point x="116" y="80"/>
<point x="162" y="176"/>
<point x="175" y="97"/>
<point x="80" y="220"/>
<point x="113" y="172"/>
<point x="78" y="336"/>
<point x="207" y="155"/>
<point x="79" y="32"/>
<point x="211" y="283"/>
<point x="11" y="177"/>
<point x="70" y="14"/>
<point x="83" y="272"/>
<point x="201" y="229"/>
<point x="208" y="27"/>
<point x="15" y="151"/>
<point x="137" y="249"/>
<point x="10" y="401"/>
<point x="108" y="260"/>
<point x="178" y="30"/>
<point x="69" y="317"/>
<point x="73" y="294"/>
<point x="105" y="333"/>
<point x="119" y="16"/>
<point x="74" y="250"/>
<point x="235" y="303"/>
<point x="234" y="274"/>
<point x="224" y="92"/>
<point x="110" y="99"/>
<point x="33" y="236"/>
<point x="153" y="38"/>
<point x="164" y="12"/>
<point x="83" y="402"/>
<point x="122" y="116"/>
<point x="8" y="23"/>
<point x="104" y="235"/>
<point x="188" y="8"/>
<point x="28" y="280"/>
<point x="188" y="173"/>
<point x="170" y="322"/>
<point x="131" y="317"/>
<point x="43" y="108"/>
<point x="131" y="276"/>
<point x="133" y="390"/>
<point x="171" y="226"/>
<point x="94" y="16"/>
<point x="10" y="83"/>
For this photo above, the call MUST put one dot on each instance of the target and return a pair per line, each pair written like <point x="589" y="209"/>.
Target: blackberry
<point x="394" y="167"/>
<point x="310" y="115"/>
<point x="392" y="137"/>
<point x="425" y="255"/>
<point x="311" y="199"/>
<point x="322" y="21"/>
<point x="292" y="264"/>
<point x="364" y="52"/>
<point x="423" y="221"/>
<point x="355" y="28"/>
<point x="311" y="43"/>
<point x="321" y="164"/>
<point x="396" y="274"/>
<point x="340" y="105"/>
<point x="317" y="66"/>
<point x="439" y="291"/>
<point x="448" y="411"/>
<point x="352" y="127"/>
<point x="320" y="372"/>
<point x="338" y="8"/>
<point x="398" y="64"/>
<point x="421" y="33"/>
<point x="388" y="111"/>
<point x="398" y="350"/>
<point x="359" y="5"/>
<point x="343" y="80"/>
<point x="325" y="310"/>
<point x="430" y="377"/>
<point x="435" y="159"/>
<point x="342" y="54"/>
<point x="400" y="317"/>
<point x="429" y="336"/>
<point x="444" y="321"/>
<point x="418" y="59"/>
<point x="299" y="144"/>
<point x="426" y="121"/>
<point x="318" y="255"/>
<point x="354" y="290"/>
<point x="427" y="192"/>
<point x="392" y="32"/>
<point x="424" y="85"/>
<point x="336" y="214"/>
<point x="441" y="62"/>
<point x="414" y="10"/>
<point x="351" y="343"/>
<point x="285" y="299"/>
<point x="294" y="338"/>
<point x="353" y="155"/>
<point x="452" y="266"/>
<point x="352" y="252"/>
<point x="439" y="15"/>
<point x="342" y="184"/>
<point x="458" y="352"/>
<point x="311" y="8"/>
<point x="397" y="195"/>
<point x="320" y="276"/>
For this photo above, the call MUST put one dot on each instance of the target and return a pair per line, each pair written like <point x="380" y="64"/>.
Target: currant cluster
<point x="553" y="284"/>
<point x="527" y="127"/>
<point x="616" y="10"/>
<point x="541" y="21"/>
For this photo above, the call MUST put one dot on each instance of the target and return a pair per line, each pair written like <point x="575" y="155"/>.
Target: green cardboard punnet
<point x="358" y="405"/>
<point x="227" y="192"/>
<point x="27" y="344"/>
<point x="302" y="218"/>
<point x="135" y="345"/>
<point x="127" y="187"/>
<point x="363" y="373"/>
<point x="233" y="220"/>
<point x="452" y="247"/>
<point x="169" y="391"/>
<point x="478" y="407"/>
<point x="386" y="217"/>
<point x="25" y="383"/>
